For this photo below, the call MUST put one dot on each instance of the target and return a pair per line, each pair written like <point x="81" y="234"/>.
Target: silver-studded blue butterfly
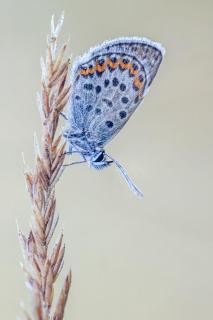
<point x="108" y="84"/>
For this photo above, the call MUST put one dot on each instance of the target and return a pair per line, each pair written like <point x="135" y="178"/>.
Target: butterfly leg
<point x="63" y="115"/>
<point x="76" y="162"/>
<point x="68" y="153"/>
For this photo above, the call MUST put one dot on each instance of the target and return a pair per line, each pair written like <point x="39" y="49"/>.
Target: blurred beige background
<point x="131" y="259"/>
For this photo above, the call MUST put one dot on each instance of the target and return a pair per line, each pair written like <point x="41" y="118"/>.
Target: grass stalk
<point x="42" y="265"/>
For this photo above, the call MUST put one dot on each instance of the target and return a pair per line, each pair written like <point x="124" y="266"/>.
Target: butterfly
<point x="108" y="84"/>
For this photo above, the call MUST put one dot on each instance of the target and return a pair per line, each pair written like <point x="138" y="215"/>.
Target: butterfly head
<point x="98" y="160"/>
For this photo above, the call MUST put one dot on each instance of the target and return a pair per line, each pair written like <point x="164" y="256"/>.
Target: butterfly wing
<point x="109" y="82"/>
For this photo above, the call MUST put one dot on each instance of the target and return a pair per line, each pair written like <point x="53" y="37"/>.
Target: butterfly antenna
<point x="129" y="181"/>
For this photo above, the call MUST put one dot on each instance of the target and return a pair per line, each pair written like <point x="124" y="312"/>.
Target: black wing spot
<point x="136" y="99"/>
<point x="125" y="100"/>
<point x="98" y="89"/>
<point x="115" y="82"/>
<point x="89" y="108"/>
<point x="106" y="83"/>
<point x="98" y="111"/>
<point x="125" y="60"/>
<point x="111" y="69"/>
<point x="99" y="73"/>
<point x="122" y="87"/>
<point x="83" y="67"/>
<point x="101" y="61"/>
<point x="109" y="124"/>
<point x="141" y="78"/>
<point x="135" y="67"/>
<point x="114" y="59"/>
<point x="108" y="102"/>
<point x="82" y="74"/>
<point x="88" y="86"/>
<point x="122" y="114"/>
<point x="135" y="88"/>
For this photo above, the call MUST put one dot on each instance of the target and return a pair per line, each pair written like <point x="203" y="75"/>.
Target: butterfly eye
<point x="100" y="157"/>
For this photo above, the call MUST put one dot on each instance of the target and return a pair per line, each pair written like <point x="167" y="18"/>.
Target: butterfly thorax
<point x="78" y="143"/>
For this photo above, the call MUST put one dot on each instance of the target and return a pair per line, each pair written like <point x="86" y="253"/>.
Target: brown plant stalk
<point x="42" y="265"/>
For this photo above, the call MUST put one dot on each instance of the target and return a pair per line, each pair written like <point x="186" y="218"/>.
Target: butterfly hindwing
<point x="109" y="83"/>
